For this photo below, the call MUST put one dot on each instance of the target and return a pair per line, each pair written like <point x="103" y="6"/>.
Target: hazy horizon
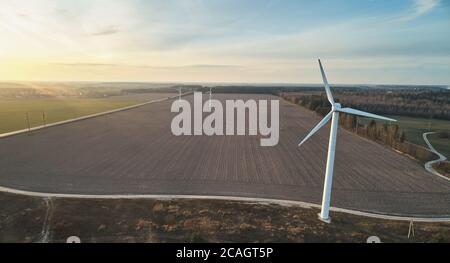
<point x="370" y="42"/>
<point x="169" y="83"/>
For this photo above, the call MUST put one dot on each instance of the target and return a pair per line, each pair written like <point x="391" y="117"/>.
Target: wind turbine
<point x="210" y="96"/>
<point x="334" y="116"/>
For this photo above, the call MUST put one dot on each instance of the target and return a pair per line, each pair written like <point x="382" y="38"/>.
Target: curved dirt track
<point x="429" y="165"/>
<point x="134" y="152"/>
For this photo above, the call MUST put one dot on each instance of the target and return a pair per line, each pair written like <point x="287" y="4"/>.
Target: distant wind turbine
<point x="210" y="96"/>
<point x="334" y="116"/>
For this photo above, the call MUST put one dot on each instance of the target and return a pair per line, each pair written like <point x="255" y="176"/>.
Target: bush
<point x="443" y="168"/>
<point x="196" y="238"/>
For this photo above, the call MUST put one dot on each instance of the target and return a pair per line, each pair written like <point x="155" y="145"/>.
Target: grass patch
<point x="415" y="127"/>
<point x="13" y="113"/>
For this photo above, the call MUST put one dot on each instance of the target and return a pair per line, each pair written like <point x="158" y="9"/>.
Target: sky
<point x="251" y="41"/>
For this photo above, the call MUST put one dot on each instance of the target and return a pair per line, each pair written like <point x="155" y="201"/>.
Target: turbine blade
<point x="364" y="114"/>
<point x="318" y="126"/>
<point x="325" y="82"/>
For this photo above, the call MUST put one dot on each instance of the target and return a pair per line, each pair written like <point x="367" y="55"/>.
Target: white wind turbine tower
<point x="334" y="116"/>
<point x="210" y="96"/>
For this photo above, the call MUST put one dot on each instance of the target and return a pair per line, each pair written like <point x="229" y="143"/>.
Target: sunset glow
<point x="266" y="41"/>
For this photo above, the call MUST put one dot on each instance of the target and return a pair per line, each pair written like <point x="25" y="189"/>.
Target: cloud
<point x="23" y="15"/>
<point x="61" y="11"/>
<point x="420" y="8"/>
<point x="424" y="6"/>
<point x="193" y="66"/>
<point x="87" y="64"/>
<point x="209" y="66"/>
<point x="107" y="30"/>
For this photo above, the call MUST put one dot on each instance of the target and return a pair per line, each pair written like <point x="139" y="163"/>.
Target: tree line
<point x="425" y="104"/>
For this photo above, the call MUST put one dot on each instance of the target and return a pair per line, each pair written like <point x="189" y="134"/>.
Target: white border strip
<point x="9" y="134"/>
<point x="227" y="198"/>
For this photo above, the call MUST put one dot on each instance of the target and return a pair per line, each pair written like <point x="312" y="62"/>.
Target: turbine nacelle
<point x="336" y="107"/>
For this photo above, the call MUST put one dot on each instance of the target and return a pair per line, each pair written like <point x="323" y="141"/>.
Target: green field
<point x="415" y="127"/>
<point x="13" y="113"/>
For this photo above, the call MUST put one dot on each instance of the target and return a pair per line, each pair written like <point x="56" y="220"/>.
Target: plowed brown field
<point x="134" y="152"/>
